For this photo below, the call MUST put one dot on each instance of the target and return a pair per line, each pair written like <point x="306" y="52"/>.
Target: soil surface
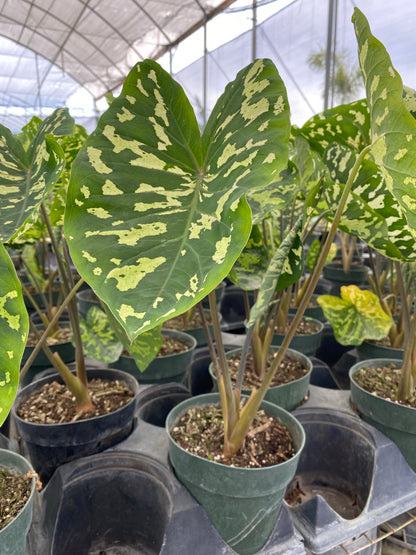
<point x="305" y="327"/>
<point x="14" y="494"/>
<point x="63" y="335"/>
<point x="53" y="403"/>
<point x="200" y="431"/>
<point x="181" y="323"/>
<point x="171" y="346"/>
<point x="383" y="382"/>
<point x="289" y="370"/>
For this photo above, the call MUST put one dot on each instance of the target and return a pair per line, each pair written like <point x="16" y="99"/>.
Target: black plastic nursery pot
<point x="368" y="350"/>
<point x="127" y="500"/>
<point x="396" y="421"/>
<point x="289" y="395"/>
<point x="350" y="479"/>
<point x="66" y="351"/>
<point x="307" y="344"/>
<point x="243" y="504"/>
<point x="162" y="369"/>
<point x="116" y="502"/>
<point x="13" y="536"/>
<point x="49" y="445"/>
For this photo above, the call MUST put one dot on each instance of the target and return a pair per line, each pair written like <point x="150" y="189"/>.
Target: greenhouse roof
<point x="92" y="43"/>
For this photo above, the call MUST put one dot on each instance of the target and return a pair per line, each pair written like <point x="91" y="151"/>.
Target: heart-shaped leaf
<point x="356" y="316"/>
<point x="156" y="213"/>
<point x="372" y="213"/>
<point x="393" y="128"/>
<point x="27" y="176"/>
<point x="14" y="325"/>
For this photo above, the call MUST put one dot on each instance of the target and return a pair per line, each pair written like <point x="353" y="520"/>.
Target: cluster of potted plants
<point x="154" y="215"/>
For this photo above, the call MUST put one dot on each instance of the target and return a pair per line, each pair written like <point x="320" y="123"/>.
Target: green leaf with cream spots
<point x="355" y="316"/>
<point x="14" y="325"/>
<point x="27" y="176"/>
<point x="372" y="213"/>
<point x="156" y="212"/>
<point x="393" y="128"/>
<point x="285" y="268"/>
<point x="347" y="124"/>
<point x="275" y="197"/>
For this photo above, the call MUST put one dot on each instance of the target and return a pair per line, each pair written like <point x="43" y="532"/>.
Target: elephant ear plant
<point x="156" y="213"/>
<point x="393" y="133"/>
<point x="30" y="165"/>
<point x="40" y="167"/>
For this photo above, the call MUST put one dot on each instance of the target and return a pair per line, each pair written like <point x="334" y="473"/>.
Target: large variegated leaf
<point x="356" y="316"/>
<point x="348" y="124"/>
<point x="29" y="131"/>
<point x="285" y="267"/>
<point x="14" y="325"/>
<point x="27" y="176"/>
<point x="156" y="214"/>
<point x="372" y="213"/>
<point x="393" y="128"/>
<point x="71" y="145"/>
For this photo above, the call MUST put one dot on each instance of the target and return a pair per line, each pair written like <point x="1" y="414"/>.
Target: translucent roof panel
<point x="96" y="42"/>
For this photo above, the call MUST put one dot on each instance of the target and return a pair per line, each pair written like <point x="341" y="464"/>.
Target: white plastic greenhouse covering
<point x="52" y="49"/>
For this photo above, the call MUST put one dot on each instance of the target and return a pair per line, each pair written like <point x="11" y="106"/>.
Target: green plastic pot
<point x="334" y="271"/>
<point x="397" y="422"/>
<point x="287" y="396"/>
<point x="242" y="503"/>
<point x="311" y="311"/>
<point x="368" y="350"/>
<point x="164" y="369"/>
<point x="13" y="536"/>
<point x="307" y="344"/>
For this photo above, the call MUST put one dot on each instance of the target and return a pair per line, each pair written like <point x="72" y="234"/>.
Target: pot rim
<point x="208" y="399"/>
<point x="381" y="361"/>
<point x="128" y="378"/>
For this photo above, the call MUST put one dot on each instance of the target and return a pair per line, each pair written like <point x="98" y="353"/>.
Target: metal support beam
<point x="329" y="59"/>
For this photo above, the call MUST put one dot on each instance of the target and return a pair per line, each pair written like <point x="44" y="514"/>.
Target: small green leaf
<point x="99" y="339"/>
<point x="287" y="262"/>
<point x="251" y="265"/>
<point x="356" y="316"/>
<point x="348" y="125"/>
<point x="313" y="253"/>
<point x="146" y="346"/>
